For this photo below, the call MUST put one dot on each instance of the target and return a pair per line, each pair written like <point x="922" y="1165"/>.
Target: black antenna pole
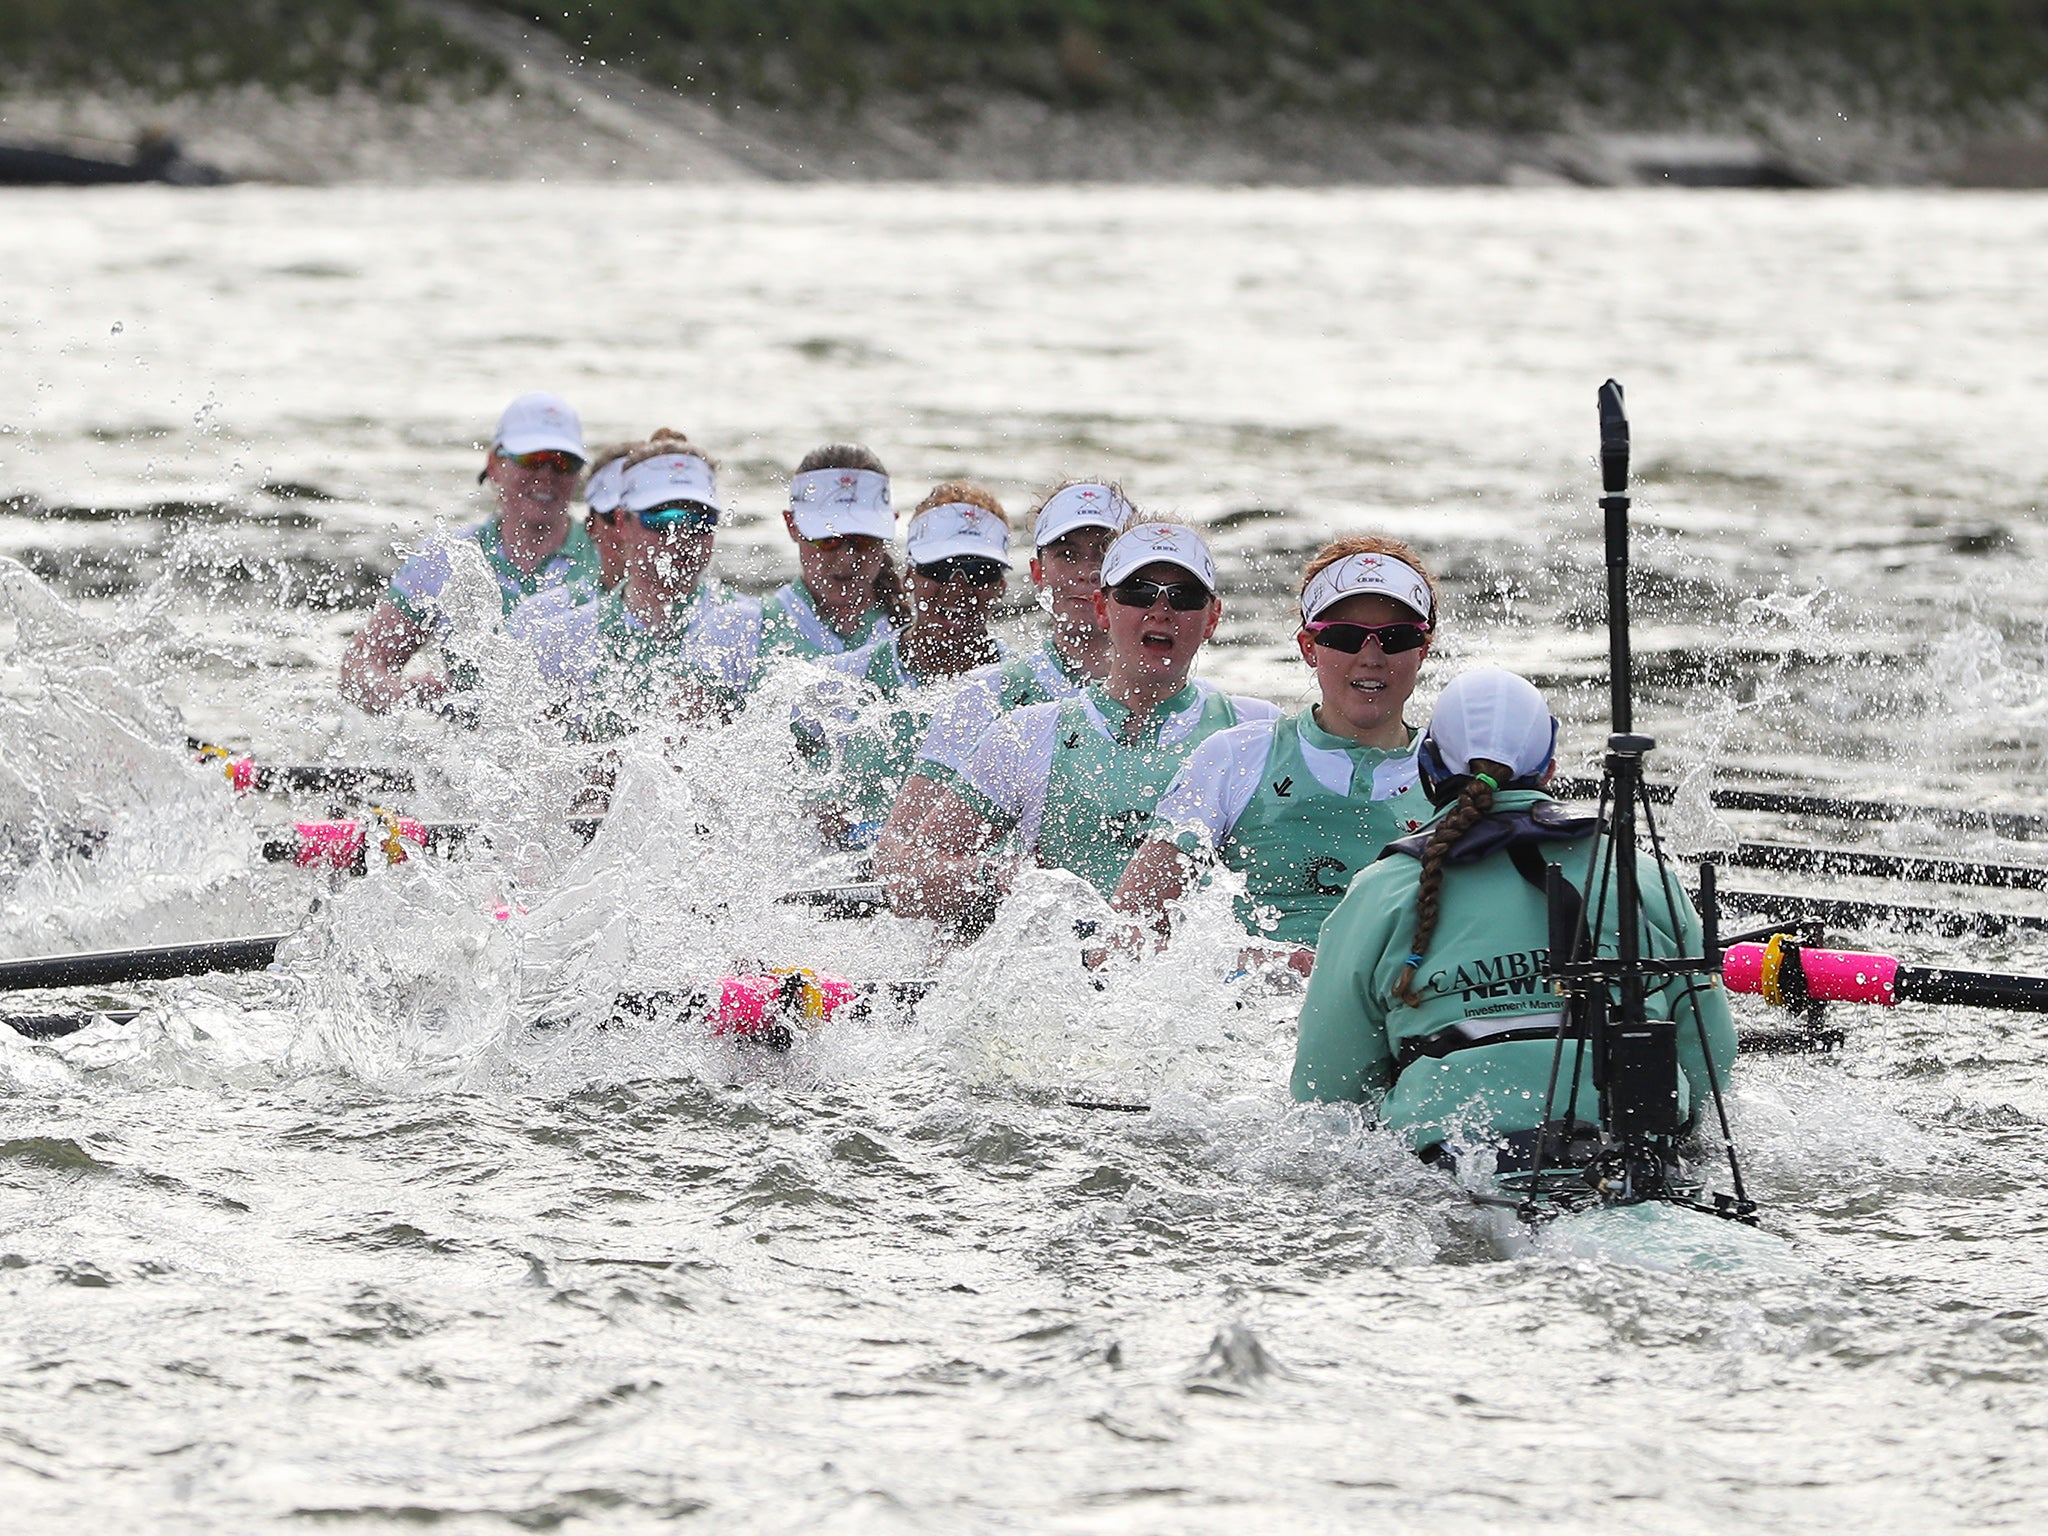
<point x="1614" y="481"/>
<point x="1638" y="1066"/>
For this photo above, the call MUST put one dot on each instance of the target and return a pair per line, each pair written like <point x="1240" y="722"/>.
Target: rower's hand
<point x="1294" y="958"/>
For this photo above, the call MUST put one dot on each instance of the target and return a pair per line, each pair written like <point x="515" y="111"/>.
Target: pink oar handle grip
<point x="334" y="844"/>
<point x="1832" y="975"/>
<point x="748" y="1005"/>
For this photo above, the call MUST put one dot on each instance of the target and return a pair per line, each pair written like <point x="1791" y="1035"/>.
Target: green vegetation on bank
<point x="1512" y="64"/>
<point x="176" y="46"/>
<point x="1491" y="62"/>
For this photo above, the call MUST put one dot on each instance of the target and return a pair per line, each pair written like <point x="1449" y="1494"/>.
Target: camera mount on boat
<point x="1633" y="1055"/>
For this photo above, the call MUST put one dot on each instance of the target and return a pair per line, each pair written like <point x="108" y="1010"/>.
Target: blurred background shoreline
<point x="1785" y="93"/>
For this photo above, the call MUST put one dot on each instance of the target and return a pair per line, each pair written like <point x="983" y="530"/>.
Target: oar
<point x="863" y="900"/>
<point x="245" y="773"/>
<point x="2006" y="823"/>
<point x="1950" y="923"/>
<point x="1852" y="976"/>
<point x="54" y="1026"/>
<point x="156" y="962"/>
<point x="1884" y="866"/>
<point x="345" y="845"/>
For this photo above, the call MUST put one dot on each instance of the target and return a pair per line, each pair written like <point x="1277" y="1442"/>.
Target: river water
<point x="399" y="1235"/>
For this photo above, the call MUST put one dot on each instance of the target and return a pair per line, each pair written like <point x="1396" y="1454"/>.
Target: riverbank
<point x="462" y="90"/>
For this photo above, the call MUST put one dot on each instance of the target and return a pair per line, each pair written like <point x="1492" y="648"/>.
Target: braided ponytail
<point x="1474" y="801"/>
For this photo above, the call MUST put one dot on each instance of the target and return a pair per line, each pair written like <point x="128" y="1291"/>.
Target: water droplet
<point x="118" y="328"/>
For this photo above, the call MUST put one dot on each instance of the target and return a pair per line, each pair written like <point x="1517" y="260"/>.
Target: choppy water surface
<point x="359" y="1244"/>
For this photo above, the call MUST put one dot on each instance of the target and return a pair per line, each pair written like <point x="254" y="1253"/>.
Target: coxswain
<point x="1430" y="1001"/>
<point x="1076" y="780"/>
<point x="1071" y="528"/>
<point x="957" y="547"/>
<point x="1299" y="805"/>
<point x="529" y="544"/>
<point x="848" y="590"/>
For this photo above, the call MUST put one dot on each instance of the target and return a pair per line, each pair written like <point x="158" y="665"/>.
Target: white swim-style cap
<point x="1151" y="543"/>
<point x="1377" y="574"/>
<point x="957" y="528"/>
<point x="667" y="480"/>
<point x="832" y="503"/>
<point x="1090" y="504"/>
<point x="1491" y="713"/>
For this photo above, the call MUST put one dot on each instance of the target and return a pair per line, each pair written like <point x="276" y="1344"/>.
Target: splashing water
<point x="409" y="1230"/>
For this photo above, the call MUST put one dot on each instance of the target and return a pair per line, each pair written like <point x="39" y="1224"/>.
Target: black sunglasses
<point x="972" y="569"/>
<point x="1393" y="639"/>
<point x="1181" y="596"/>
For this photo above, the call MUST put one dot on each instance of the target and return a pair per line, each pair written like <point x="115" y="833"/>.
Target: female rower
<point x="530" y="544"/>
<point x="669" y="641"/>
<point x="560" y="623"/>
<point x="1077" y="779"/>
<point x="1298" y="806"/>
<point x="1070" y="530"/>
<point x="958" y="545"/>
<point x="1429" y="1000"/>
<point x="847" y="590"/>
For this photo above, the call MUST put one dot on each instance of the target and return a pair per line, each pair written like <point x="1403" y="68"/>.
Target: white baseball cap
<point x="1147" y="543"/>
<point x="666" y="480"/>
<point x="1089" y="505"/>
<point x="537" y="422"/>
<point x="1490" y="713"/>
<point x="957" y="528"/>
<point x="602" y="493"/>
<point x="1380" y="575"/>
<point x="830" y="503"/>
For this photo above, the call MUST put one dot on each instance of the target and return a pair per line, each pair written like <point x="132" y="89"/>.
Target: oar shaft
<point x="155" y="963"/>
<point x="1787" y="907"/>
<point x="344" y="844"/>
<point x="1782" y="803"/>
<point x="1885" y="866"/>
<point x="245" y="773"/>
<point x="1973" y="989"/>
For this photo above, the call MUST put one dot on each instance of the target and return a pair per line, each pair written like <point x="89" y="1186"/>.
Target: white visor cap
<point x="957" y="528"/>
<point x="1092" y="505"/>
<point x="1377" y="575"/>
<point x="664" y="481"/>
<point x="537" y="422"/>
<point x="602" y="494"/>
<point x="1152" y="543"/>
<point x="1495" y="714"/>
<point x="830" y="503"/>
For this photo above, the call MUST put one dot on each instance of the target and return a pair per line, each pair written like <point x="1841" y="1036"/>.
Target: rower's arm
<point x="897" y="849"/>
<point x="1342" y="1052"/>
<point x="940" y="872"/>
<point x="1158" y="873"/>
<point x="373" y="667"/>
